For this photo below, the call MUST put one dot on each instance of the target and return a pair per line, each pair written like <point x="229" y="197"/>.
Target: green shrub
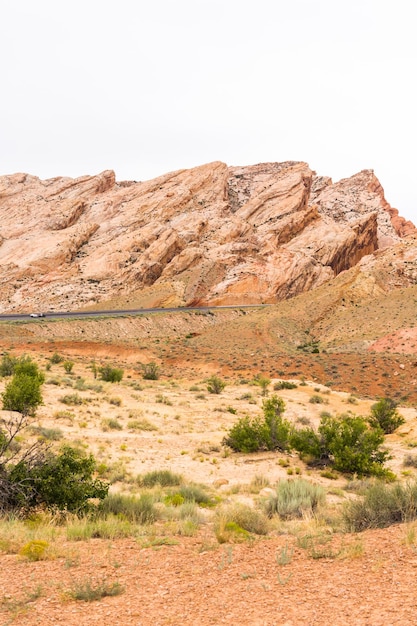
<point x="284" y="384"/>
<point x="7" y="364"/>
<point x="345" y="442"/>
<point x="271" y="432"/>
<point x="23" y="393"/>
<point x="88" y="590"/>
<point x="150" y="371"/>
<point x="294" y="498"/>
<point x="215" y="385"/>
<point x="384" y="415"/>
<point x="195" y="493"/>
<point x="34" y="550"/>
<point x="111" y="423"/>
<point x="140" y="510"/>
<point x="315" y="399"/>
<point x="56" y="358"/>
<point x="61" y="481"/>
<point x="68" y="366"/>
<point x="382" y="505"/>
<point x="244" y="517"/>
<point x="111" y="374"/>
<point x="141" y="424"/>
<point x="164" y="478"/>
<point x="71" y="399"/>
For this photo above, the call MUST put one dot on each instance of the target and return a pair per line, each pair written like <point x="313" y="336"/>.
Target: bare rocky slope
<point x="213" y="234"/>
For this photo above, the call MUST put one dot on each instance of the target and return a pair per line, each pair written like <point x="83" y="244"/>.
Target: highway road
<point x="15" y="317"/>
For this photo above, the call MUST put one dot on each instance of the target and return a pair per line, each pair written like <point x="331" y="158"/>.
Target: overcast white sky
<point x="149" y="86"/>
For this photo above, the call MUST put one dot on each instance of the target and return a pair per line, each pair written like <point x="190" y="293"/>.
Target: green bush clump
<point x="195" y="493"/>
<point x="7" y="364"/>
<point x="111" y="374"/>
<point x="150" y="371"/>
<point x="164" y="478"/>
<point x="284" y="384"/>
<point x="382" y="505"/>
<point x="236" y="521"/>
<point x="384" y="415"/>
<point x="270" y="432"/>
<point x="34" y="550"/>
<point x="72" y="399"/>
<point x="215" y="385"/>
<point x="56" y="358"/>
<point x="346" y="442"/>
<point x="140" y="510"/>
<point x="294" y="498"/>
<point x="88" y="591"/>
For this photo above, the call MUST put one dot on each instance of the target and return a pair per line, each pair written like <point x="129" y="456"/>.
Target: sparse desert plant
<point x="56" y="358"/>
<point x="111" y="423"/>
<point x="382" y="505"/>
<point x="141" y="424"/>
<point x="90" y="590"/>
<point x="294" y="498"/>
<point x="7" y="364"/>
<point x="150" y="371"/>
<point x="315" y="399"/>
<point x="72" y="399"/>
<point x="284" y="384"/>
<point x="196" y="493"/>
<point x="250" y="519"/>
<point x="161" y="399"/>
<point x="34" y="550"/>
<point x="164" y="478"/>
<point x="115" y="401"/>
<point x="111" y="374"/>
<point x="263" y="382"/>
<point x="384" y="415"/>
<point x="50" y="434"/>
<point x="68" y="366"/>
<point x="140" y="510"/>
<point x="410" y="460"/>
<point x="215" y="385"/>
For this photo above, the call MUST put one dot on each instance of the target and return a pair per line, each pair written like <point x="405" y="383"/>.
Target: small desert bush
<point x="141" y="424"/>
<point x="111" y="374"/>
<point x="195" y="493"/>
<point x="35" y="550"/>
<point x="384" y="415"/>
<point x="56" y="358"/>
<point x="150" y="371"/>
<point x="315" y="399"/>
<point x="111" y="423"/>
<point x="115" y="401"/>
<point x="50" y="434"/>
<point x="230" y="521"/>
<point x="90" y="590"/>
<point x="68" y="366"/>
<point x="72" y="399"/>
<point x="215" y="385"/>
<point x="410" y="460"/>
<point x="140" y="510"/>
<point x="270" y="432"/>
<point x="284" y="384"/>
<point x="294" y="498"/>
<point x="382" y="505"/>
<point x="110" y="527"/>
<point x="164" y="478"/>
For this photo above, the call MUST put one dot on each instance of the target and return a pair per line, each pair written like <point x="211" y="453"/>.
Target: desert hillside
<point x="213" y="234"/>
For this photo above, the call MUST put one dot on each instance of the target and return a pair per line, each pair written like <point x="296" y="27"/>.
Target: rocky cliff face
<point x="212" y="234"/>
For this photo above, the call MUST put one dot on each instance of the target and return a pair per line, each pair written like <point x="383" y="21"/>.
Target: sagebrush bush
<point x="284" y="384"/>
<point x="382" y="505"/>
<point x="243" y="517"/>
<point x="215" y="385"/>
<point x="294" y="498"/>
<point x="140" y="510"/>
<point x="164" y="478"/>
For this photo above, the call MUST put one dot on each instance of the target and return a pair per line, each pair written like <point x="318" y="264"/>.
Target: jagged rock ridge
<point x="213" y="234"/>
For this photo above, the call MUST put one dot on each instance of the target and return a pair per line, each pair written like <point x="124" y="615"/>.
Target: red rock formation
<point x="212" y="234"/>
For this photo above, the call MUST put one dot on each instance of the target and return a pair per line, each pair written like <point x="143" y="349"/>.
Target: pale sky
<point x="147" y="87"/>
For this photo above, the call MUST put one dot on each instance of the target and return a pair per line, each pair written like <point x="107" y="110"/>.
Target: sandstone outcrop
<point x="212" y="234"/>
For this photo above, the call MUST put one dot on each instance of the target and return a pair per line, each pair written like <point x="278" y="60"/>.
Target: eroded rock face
<point x="212" y="234"/>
